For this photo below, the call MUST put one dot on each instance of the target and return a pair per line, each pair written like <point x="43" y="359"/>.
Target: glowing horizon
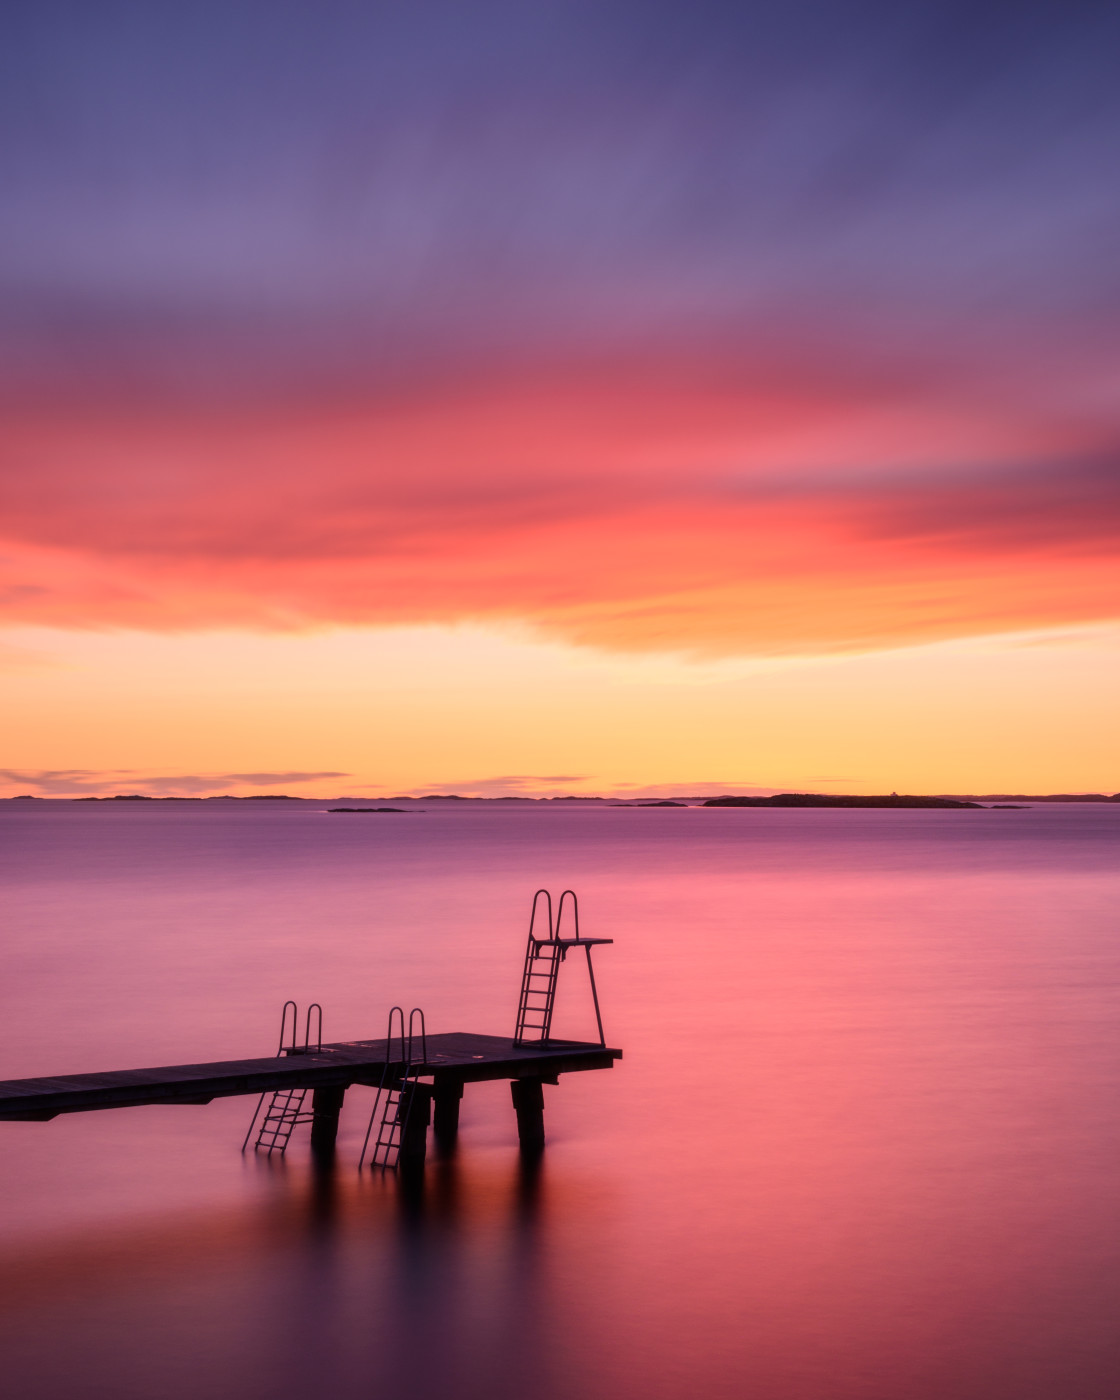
<point x="384" y="712"/>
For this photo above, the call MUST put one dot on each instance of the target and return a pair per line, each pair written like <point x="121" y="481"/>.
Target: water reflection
<point x="464" y="1291"/>
<point x="431" y="1282"/>
<point x="326" y="1284"/>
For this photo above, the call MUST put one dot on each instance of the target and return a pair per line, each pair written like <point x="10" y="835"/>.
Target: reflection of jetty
<point x="430" y="1075"/>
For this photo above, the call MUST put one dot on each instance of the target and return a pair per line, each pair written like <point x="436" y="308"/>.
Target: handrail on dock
<point x="307" y="1050"/>
<point x="533" y="917"/>
<point x="412" y="1060"/>
<point x="560" y="914"/>
<point x="284" y="1024"/>
<point x="397" y="1011"/>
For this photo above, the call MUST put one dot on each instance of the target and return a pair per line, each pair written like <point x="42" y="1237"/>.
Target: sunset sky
<point x="543" y="398"/>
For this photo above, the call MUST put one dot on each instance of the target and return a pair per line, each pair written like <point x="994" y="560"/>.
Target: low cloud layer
<point x="95" y="782"/>
<point x="511" y="785"/>
<point x="679" y="513"/>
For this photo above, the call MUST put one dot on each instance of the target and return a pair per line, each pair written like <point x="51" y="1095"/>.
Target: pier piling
<point x="326" y="1104"/>
<point x="417" y="1112"/>
<point x="528" y="1101"/>
<point x="448" y="1096"/>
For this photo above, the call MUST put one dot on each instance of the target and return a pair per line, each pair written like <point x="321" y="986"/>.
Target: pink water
<point x="865" y="1140"/>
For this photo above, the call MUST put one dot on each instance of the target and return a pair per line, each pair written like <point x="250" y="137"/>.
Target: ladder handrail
<point x="533" y="916"/>
<point x="416" y="1011"/>
<point x="560" y="912"/>
<point x="284" y="1024"/>
<point x="399" y="1012"/>
<point x="318" y="1029"/>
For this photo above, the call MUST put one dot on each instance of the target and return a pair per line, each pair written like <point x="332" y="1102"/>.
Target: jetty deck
<point x="452" y="1060"/>
<point x="414" y="1071"/>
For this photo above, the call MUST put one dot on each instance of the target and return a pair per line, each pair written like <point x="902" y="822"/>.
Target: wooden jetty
<point x="422" y="1072"/>
<point x="452" y="1061"/>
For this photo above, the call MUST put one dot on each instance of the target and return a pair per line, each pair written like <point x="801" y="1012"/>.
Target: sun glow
<point x="479" y="711"/>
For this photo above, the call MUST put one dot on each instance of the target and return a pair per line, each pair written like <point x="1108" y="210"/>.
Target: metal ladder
<point x="396" y="1091"/>
<point x="538" y="983"/>
<point x="541" y="972"/>
<point x="286" y="1109"/>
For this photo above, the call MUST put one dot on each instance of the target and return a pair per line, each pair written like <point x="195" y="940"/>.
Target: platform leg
<point x="447" y="1097"/>
<point x="414" y="1139"/>
<point x="528" y="1100"/>
<point x="326" y="1104"/>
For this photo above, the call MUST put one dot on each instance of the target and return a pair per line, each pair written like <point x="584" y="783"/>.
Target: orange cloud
<point x="661" y="509"/>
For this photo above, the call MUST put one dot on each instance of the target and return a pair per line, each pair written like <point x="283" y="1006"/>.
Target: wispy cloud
<point x="16" y="659"/>
<point x="701" y="787"/>
<point x="96" y="782"/>
<point x="510" y="785"/>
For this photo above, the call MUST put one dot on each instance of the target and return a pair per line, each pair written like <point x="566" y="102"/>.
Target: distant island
<point x="1043" y="797"/>
<point x="368" y="809"/>
<point x="1000" y="800"/>
<point x="816" y="799"/>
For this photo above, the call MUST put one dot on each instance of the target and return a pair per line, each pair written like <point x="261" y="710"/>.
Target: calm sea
<point x="864" y="1142"/>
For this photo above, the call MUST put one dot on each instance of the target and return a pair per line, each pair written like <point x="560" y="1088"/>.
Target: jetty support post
<point x="448" y="1096"/>
<point x="417" y="1109"/>
<point x="326" y="1105"/>
<point x="528" y="1102"/>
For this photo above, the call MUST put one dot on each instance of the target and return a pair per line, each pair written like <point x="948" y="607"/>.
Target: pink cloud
<point x="652" y="507"/>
